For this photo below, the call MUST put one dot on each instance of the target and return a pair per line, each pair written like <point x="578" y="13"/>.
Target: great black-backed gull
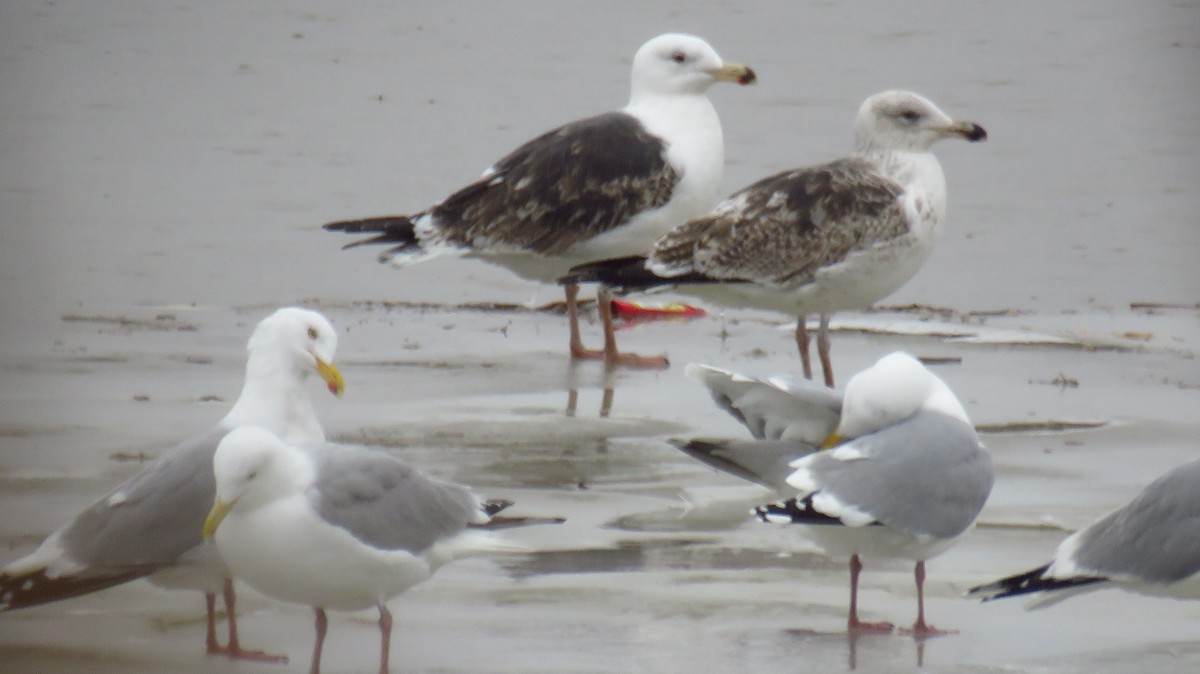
<point x="337" y="526"/>
<point x="151" y="525"/>
<point x="1151" y="546"/>
<point x="903" y="474"/>
<point x="832" y="237"/>
<point x="598" y="187"/>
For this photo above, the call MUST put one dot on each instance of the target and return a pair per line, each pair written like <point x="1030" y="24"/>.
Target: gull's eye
<point x="312" y="333"/>
<point x="910" y="116"/>
<point x="253" y="474"/>
<point x="679" y="57"/>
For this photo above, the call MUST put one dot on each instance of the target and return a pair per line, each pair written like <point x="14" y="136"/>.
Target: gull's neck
<point x="695" y="144"/>
<point x="917" y="170"/>
<point x="274" y="397"/>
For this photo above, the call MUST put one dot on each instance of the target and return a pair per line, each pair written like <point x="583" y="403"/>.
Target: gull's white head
<point x="675" y="63"/>
<point x="247" y="469"/>
<point x="305" y="338"/>
<point x="891" y="390"/>
<point x="903" y="121"/>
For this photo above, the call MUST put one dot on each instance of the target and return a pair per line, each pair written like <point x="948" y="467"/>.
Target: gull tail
<point x="505" y="522"/>
<point x="1030" y="582"/>
<point x="398" y="231"/>
<point x="765" y="462"/>
<point x="495" y="522"/>
<point x="794" y="511"/>
<point x="621" y="273"/>
<point x="34" y="587"/>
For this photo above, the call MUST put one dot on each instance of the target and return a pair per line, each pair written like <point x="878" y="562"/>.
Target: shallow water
<point x="165" y="167"/>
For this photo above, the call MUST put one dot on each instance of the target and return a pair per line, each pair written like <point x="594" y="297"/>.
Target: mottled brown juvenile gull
<point x="151" y="524"/>
<point x="833" y="237"/>
<point x="598" y="187"/>
<point x="337" y="526"/>
<point x="1151" y="545"/>
<point x="903" y="475"/>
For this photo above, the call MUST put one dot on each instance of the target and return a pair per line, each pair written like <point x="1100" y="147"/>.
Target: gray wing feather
<point x="384" y="502"/>
<point x="1155" y="537"/>
<point x="776" y="409"/>
<point x="563" y="187"/>
<point x="927" y="475"/>
<point x="780" y="230"/>
<point x="764" y="462"/>
<point x="153" y="517"/>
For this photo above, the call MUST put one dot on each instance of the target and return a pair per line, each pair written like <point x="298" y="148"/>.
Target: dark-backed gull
<point x="599" y="187"/>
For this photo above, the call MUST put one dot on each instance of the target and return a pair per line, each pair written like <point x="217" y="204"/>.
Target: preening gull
<point x="598" y="187"/>
<point x="150" y="525"/>
<point x="826" y="238"/>
<point x="336" y="526"/>
<point x="1151" y="545"/>
<point x="903" y="474"/>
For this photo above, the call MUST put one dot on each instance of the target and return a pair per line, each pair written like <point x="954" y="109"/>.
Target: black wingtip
<point x="618" y="272"/>
<point x="493" y="506"/>
<point x="38" y="587"/>
<point x="1028" y="582"/>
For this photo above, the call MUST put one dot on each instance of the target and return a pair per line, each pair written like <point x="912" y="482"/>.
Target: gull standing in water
<point x="337" y="526"/>
<point x="597" y="187"/>
<point x="150" y="525"/>
<point x="826" y="238"/>
<point x="903" y="474"/>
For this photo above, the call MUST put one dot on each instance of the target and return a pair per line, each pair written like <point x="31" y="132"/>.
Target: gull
<point x="150" y="525"/>
<point x="902" y="475"/>
<point x="832" y="237"/>
<point x="337" y="526"/>
<point x="1150" y="545"/>
<point x="602" y="186"/>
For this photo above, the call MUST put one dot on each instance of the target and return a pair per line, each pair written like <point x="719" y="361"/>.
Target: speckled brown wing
<point x="781" y="229"/>
<point x="563" y="187"/>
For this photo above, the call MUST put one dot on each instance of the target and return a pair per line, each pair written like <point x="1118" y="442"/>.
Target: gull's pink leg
<point x="211" y="646"/>
<point x="322" y="626"/>
<point x="234" y="650"/>
<point x="385" y="634"/>
<point x="802" y="343"/>
<point x="577" y="349"/>
<point x="922" y="628"/>
<point x="612" y="357"/>
<point x="823" y="350"/>
<point x="854" y="624"/>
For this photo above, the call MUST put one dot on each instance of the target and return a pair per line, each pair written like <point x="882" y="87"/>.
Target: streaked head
<point x="905" y="121"/>
<point x="675" y="63"/>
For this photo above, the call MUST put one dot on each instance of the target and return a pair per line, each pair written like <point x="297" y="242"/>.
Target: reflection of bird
<point x="1151" y="545"/>
<point x="827" y="238"/>
<point x="150" y="524"/>
<point x="903" y="475"/>
<point x="597" y="187"/>
<point x="336" y="526"/>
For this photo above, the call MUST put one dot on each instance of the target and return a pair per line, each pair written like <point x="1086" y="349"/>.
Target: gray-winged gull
<point x="903" y="474"/>
<point x="150" y="525"/>
<point x="337" y="526"/>
<point x="826" y="238"/>
<point x="597" y="187"/>
<point x="1151" y="545"/>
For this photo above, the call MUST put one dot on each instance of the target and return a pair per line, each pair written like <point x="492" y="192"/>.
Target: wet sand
<point x="164" y="172"/>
